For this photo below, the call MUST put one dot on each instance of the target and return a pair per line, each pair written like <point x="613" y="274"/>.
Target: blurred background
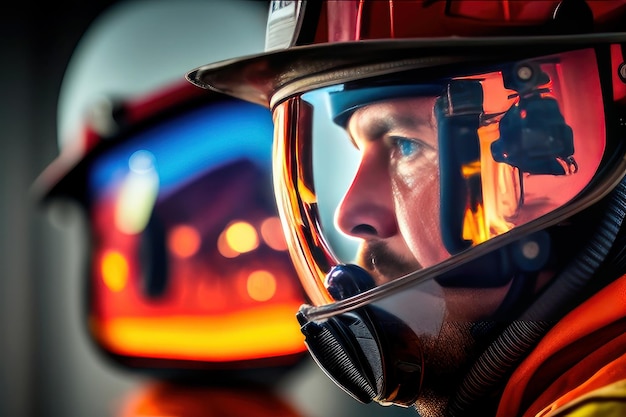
<point x="44" y="357"/>
<point x="56" y="57"/>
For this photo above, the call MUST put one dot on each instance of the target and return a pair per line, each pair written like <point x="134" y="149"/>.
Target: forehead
<point x="377" y="118"/>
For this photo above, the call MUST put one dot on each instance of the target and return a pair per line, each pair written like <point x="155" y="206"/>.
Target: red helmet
<point x="351" y="20"/>
<point x="432" y="161"/>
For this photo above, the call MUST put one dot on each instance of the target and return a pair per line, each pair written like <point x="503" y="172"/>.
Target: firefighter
<point x="450" y="176"/>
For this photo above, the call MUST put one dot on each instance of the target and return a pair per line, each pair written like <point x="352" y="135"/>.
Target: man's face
<point x="393" y="201"/>
<point x="393" y="206"/>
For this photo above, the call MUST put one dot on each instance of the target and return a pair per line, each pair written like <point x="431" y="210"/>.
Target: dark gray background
<point x="36" y="338"/>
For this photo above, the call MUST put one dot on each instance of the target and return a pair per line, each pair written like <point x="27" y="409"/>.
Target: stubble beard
<point x="447" y="358"/>
<point x="447" y="355"/>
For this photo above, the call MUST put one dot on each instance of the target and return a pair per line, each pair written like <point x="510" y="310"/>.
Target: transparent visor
<point x="410" y="177"/>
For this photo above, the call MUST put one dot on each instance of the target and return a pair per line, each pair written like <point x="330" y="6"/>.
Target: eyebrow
<point x="380" y="126"/>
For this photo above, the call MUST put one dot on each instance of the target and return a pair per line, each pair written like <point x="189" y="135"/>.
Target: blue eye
<point x="406" y="147"/>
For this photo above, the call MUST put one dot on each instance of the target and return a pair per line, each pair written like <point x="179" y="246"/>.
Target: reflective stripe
<point x="283" y="24"/>
<point x="608" y="401"/>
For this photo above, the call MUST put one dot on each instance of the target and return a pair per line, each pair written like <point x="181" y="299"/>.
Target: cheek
<point x="417" y="211"/>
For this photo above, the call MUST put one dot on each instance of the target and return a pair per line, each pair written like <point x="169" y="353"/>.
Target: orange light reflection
<point x="272" y="328"/>
<point x="261" y="285"/>
<point x="183" y="241"/>
<point x="272" y="233"/>
<point x="114" y="268"/>
<point x="224" y="248"/>
<point x="241" y="237"/>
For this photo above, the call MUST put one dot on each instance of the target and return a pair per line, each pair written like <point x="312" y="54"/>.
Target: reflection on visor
<point x="396" y="176"/>
<point x="189" y="258"/>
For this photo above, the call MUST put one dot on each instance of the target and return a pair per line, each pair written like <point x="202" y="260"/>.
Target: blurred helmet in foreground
<point x="187" y="266"/>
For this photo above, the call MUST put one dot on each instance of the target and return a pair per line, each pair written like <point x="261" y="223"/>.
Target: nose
<point x="367" y="210"/>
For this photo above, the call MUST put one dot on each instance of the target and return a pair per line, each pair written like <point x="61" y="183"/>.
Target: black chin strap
<point x="489" y="373"/>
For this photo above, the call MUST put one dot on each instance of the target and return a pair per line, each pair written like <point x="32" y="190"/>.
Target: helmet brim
<point x="66" y="173"/>
<point x="257" y="78"/>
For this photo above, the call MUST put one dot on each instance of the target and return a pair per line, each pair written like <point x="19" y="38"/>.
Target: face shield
<point x="411" y="198"/>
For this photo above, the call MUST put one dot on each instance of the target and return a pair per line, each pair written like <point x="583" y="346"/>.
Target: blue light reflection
<point x="190" y="145"/>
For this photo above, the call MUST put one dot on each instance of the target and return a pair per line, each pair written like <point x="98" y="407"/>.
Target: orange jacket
<point x="579" y="367"/>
